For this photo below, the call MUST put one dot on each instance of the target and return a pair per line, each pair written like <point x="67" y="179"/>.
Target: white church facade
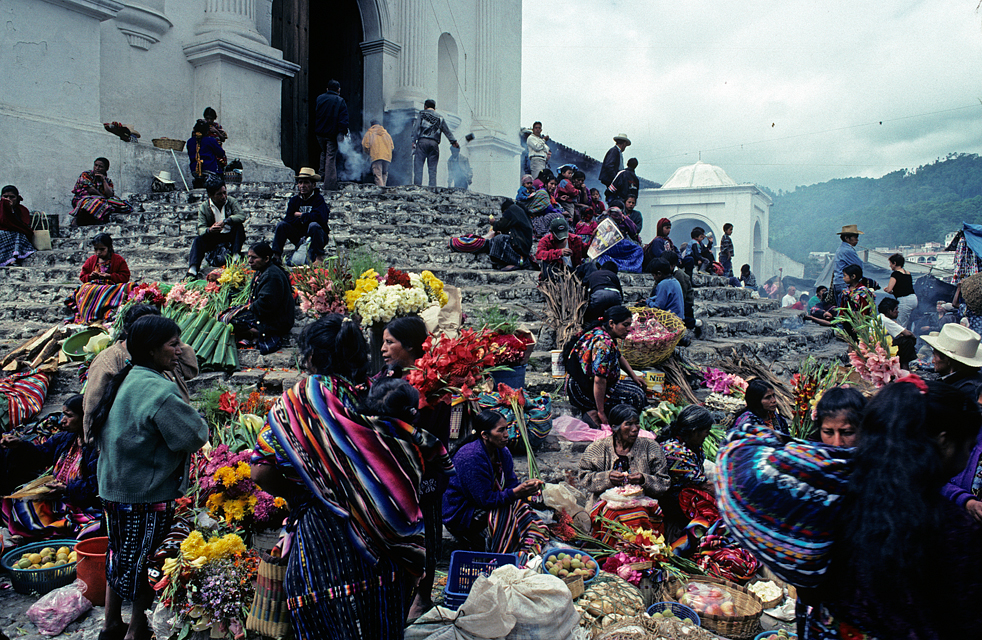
<point x="704" y="195"/>
<point x="72" y="65"/>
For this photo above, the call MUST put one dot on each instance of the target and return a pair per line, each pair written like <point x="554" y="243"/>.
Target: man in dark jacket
<point x="614" y="160"/>
<point x="603" y="290"/>
<point x="331" y="123"/>
<point x="428" y="130"/>
<point x="307" y="216"/>
<point x="625" y="184"/>
<point x="221" y="221"/>
<point x="511" y="238"/>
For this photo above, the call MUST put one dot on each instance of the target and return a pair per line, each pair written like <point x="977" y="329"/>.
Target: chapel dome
<point x="700" y="174"/>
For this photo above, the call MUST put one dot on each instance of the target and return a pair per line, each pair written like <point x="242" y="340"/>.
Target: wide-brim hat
<point x="850" y="229"/>
<point x="163" y="176"/>
<point x="621" y="137"/>
<point x="971" y="292"/>
<point x="958" y="343"/>
<point x="308" y="174"/>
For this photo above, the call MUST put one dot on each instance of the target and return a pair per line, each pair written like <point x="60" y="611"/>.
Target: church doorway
<point x="682" y="227"/>
<point x="324" y="39"/>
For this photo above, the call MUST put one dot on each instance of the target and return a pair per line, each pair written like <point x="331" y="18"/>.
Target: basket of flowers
<point x="653" y="337"/>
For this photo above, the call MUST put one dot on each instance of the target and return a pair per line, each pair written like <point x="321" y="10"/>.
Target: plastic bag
<point x="59" y="608"/>
<point x="561" y="497"/>
<point x="707" y="598"/>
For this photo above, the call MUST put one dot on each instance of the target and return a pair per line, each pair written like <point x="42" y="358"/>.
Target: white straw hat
<point x="163" y="176"/>
<point x="958" y="343"/>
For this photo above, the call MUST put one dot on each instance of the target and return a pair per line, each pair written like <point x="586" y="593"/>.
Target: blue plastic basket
<point x="556" y="552"/>
<point x="680" y="610"/>
<point x="38" y="582"/>
<point x="465" y="568"/>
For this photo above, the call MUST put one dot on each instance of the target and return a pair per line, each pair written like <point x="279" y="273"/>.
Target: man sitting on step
<point x="221" y="228"/>
<point x="307" y="217"/>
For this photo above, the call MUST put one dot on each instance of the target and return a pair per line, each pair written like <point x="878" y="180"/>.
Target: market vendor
<point x="593" y="364"/>
<point x="94" y="197"/>
<point x="483" y="506"/>
<point x="509" y="241"/>
<point x="110" y="361"/>
<point x="269" y="316"/>
<point x="623" y="459"/>
<point x="838" y="415"/>
<point x="16" y="234"/>
<point x="965" y="489"/>
<point x="402" y="343"/>
<point x="957" y="358"/>
<point x="71" y="508"/>
<point x="105" y="280"/>
<point x="221" y="221"/>
<point x="761" y="409"/>
<point x="682" y="442"/>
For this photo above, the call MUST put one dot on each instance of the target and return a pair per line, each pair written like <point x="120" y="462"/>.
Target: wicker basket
<point x="649" y="354"/>
<point x="746" y="622"/>
<point x="768" y="604"/>
<point x="629" y="629"/>
<point x="168" y="143"/>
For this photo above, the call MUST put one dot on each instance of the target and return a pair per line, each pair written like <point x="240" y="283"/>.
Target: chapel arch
<point x="758" y="254"/>
<point x="448" y="74"/>
<point x="683" y="224"/>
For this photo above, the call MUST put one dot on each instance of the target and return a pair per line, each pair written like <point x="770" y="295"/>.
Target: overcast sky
<point x="777" y="93"/>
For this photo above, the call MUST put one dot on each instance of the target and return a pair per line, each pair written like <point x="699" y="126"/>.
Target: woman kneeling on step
<point x="269" y="315"/>
<point x="593" y="366"/>
<point x="94" y="196"/>
<point x="105" y="282"/>
<point x="509" y="240"/>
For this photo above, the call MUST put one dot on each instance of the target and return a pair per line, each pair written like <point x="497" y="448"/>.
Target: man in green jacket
<point x="220" y="223"/>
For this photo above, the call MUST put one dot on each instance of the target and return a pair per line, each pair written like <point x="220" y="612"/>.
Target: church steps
<point x="765" y="323"/>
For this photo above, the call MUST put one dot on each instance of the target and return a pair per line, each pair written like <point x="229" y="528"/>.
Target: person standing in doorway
<point x="428" y="130"/>
<point x="331" y="124"/>
<point x="378" y="143"/>
<point x="726" y="250"/>
<point x="538" y="149"/>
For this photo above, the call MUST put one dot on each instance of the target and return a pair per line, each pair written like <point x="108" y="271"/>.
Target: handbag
<point x="299" y="257"/>
<point x="269" y="615"/>
<point x="828" y="298"/>
<point x="42" y="234"/>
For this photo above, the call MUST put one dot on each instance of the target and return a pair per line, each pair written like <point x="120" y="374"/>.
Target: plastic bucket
<point x="91" y="568"/>
<point x="558" y="370"/>
<point x="514" y="377"/>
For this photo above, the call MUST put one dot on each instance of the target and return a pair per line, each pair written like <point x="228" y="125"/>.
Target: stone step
<point x="790" y="348"/>
<point x="748" y="307"/>
<point x="760" y="324"/>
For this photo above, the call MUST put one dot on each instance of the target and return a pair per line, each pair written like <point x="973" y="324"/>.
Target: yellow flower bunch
<point x="226" y="476"/>
<point x="197" y="552"/>
<point x="365" y="283"/>
<point x="233" y="275"/>
<point x="434" y="287"/>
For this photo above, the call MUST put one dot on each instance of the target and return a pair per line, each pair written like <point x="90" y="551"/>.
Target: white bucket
<point x="558" y="370"/>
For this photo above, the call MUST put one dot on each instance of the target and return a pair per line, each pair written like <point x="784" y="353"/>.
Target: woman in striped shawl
<point x="352" y="481"/>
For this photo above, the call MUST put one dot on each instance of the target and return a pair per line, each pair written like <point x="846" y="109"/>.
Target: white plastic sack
<point x="541" y="603"/>
<point x="59" y="608"/>
<point x="560" y="497"/>
<point x="483" y="616"/>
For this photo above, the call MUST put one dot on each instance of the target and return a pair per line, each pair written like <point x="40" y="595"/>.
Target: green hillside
<point x="903" y="207"/>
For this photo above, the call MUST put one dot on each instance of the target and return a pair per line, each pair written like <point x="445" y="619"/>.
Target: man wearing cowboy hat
<point x="957" y="358"/>
<point x="307" y="216"/>
<point x="220" y="221"/>
<point x="845" y="255"/>
<point x="614" y="160"/>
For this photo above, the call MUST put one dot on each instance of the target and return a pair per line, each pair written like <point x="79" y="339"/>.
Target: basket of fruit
<point x="35" y="569"/>
<point x="673" y="610"/>
<point x="564" y="563"/>
<point x="776" y="634"/>
<point x="653" y="337"/>
<point x="724" y="608"/>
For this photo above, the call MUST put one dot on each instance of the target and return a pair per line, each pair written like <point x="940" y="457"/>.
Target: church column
<point x="240" y="75"/>
<point x="412" y="36"/>
<point x="486" y="79"/>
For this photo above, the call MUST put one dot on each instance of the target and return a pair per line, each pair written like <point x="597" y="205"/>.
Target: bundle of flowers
<point x="147" y="294"/>
<point x="375" y="300"/>
<point x="511" y="349"/>
<point x="655" y="419"/>
<point x="319" y="290"/>
<point x="812" y="380"/>
<point x="648" y="330"/>
<point x="434" y="288"/>
<point x="192" y="296"/>
<point x="724" y="383"/>
<point x="643" y="550"/>
<point x="871" y="350"/>
<point x="210" y="585"/>
<point x="257" y="404"/>
<point x="451" y="366"/>
<point x="229" y="493"/>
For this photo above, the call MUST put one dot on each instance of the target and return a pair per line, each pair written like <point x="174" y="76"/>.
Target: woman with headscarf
<point x="94" y="196"/>
<point x="71" y="508"/>
<point x="105" y="280"/>
<point x="660" y="243"/>
<point x="593" y="366"/>
<point x="483" y="506"/>
<point x="355" y="526"/>
<point x="865" y="533"/>
<point x="146" y="434"/>
<point x="761" y="409"/>
<point x="16" y="233"/>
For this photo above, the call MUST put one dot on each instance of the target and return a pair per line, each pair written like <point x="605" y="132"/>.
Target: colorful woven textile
<point x="646" y="517"/>
<point x="628" y="256"/>
<point x="780" y="501"/>
<point x="966" y="262"/>
<point x="538" y="414"/>
<point x="95" y="301"/>
<point x="366" y="470"/>
<point x="468" y="244"/>
<point x="25" y="393"/>
<point x="516" y="529"/>
<point x="14" y="246"/>
<point x="98" y="207"/>
<point x="135" y="531"/>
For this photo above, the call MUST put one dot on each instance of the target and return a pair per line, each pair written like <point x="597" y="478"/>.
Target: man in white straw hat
<point x="307" y="216"/>
<point x="162" y="182"/>
<point x="614" y="160"/>
<point x="845" y="255"/>
<point x="956" y="357"/>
